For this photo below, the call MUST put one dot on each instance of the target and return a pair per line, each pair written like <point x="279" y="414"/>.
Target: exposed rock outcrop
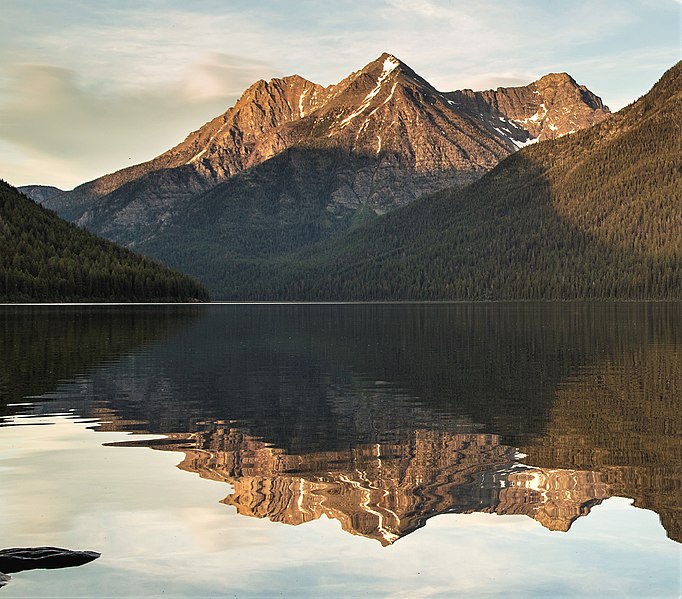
<point x="548" y="108"/>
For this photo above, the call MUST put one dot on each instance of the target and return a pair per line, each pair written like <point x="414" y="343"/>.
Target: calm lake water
<point x="466" y="450"/>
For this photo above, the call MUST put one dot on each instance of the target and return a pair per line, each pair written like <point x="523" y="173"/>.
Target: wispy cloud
<point x="97" y="83"/>
<point x="144" y="47"/>
<point x="46" y="112"/>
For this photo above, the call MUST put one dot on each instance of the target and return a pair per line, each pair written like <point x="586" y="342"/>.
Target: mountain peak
<point x="387" y="57"/>
<point x="557" y="79"/>
<point x="390" y="62"/>
<point x="384" y="65"/>
<point x="276" y="83"/>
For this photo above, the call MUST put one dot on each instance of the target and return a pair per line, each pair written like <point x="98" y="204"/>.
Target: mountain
<point x="40" y="193"/>
<point x="43" y="258"/>
<point x="595" y="214"/>
<point x="293" y="163"/>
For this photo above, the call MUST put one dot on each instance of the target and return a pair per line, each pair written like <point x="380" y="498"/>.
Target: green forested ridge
<point x="597" y="214"/>
<point x="43" y="258"/>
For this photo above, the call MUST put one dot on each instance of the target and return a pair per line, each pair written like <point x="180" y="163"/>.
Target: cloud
<point x="129" y="44"/>
<point x="99" y="87"/>
<point x="47" y="115"/>
<point x="96" y="84"/>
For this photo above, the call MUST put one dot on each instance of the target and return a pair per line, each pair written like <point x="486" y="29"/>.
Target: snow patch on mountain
<point x="196" y="156"/>
<point x="300" y="103"/>
<point x="523" y="144"/>
<point x="390" y="65"/>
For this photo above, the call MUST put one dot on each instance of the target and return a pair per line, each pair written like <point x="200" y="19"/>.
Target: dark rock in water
<point x="32" y="558"/>
<point x="4" y="579"/>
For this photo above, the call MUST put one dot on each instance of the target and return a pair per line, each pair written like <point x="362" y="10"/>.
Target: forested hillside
<point x="596" y="214"/>
<point x="43" y="258"/>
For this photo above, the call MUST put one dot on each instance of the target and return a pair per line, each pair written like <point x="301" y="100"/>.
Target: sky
<point x="87" y="88"/>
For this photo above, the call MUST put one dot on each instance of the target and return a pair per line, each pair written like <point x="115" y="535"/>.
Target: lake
<point x="374" y="450"/>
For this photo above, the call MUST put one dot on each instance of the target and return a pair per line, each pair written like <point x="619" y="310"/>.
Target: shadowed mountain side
<point x="42" y="347"/>
<point x="590" y="215"/>
<point x="137" y="210"/>
<point x="40" y="193"/>
<point x="290" y="201"/>
<point x="501" y="240"/>
<point x="284" y="204"/>
<point x="386" y="491"/>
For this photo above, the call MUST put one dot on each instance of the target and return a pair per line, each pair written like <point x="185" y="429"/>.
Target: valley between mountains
<point x="382" y="187"/>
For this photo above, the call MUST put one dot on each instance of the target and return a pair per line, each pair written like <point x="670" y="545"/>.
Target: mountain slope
<point x="379" y="139"/>
<point x="43" y="258"/>
<point x="591" y="215"/>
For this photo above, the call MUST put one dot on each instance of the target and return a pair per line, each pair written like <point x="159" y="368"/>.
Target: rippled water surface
<point x="345" y="450"/>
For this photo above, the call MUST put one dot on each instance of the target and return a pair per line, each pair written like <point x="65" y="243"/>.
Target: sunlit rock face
<point x="386" y="491"/>
<point x="553" y="106"/>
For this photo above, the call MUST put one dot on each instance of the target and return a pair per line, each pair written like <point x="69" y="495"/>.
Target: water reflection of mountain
<point x="622" y="417"/>
<point x="587" y="391"/>
<point x="386" y="491"/>
<point x="313" y="378"/>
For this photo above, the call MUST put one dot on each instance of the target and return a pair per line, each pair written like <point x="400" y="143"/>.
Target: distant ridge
<point x="40" y="193"/>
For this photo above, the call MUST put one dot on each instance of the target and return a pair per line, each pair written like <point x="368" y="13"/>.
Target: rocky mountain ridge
<point x="553" y="106"/>
<point x="377" y="140"/>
